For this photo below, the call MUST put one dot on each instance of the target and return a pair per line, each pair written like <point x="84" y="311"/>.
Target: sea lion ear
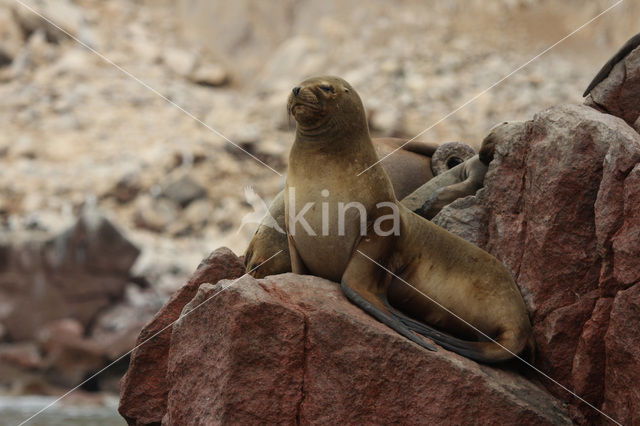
<point x="346" y="89"/>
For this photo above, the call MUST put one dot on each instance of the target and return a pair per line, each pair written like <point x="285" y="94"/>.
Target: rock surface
<point x="559" y="208"/>
<point x="146" y="378"/>
<point x="622" y="342"/>
<point x="291" y="349"/>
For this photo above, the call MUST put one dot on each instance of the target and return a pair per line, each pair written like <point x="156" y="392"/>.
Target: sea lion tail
<point x="487" y="352"/>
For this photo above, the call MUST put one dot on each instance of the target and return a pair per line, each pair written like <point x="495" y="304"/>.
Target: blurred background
<point x="110" y="196"/>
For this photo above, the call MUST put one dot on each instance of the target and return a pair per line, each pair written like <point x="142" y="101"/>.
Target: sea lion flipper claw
<point x="364" y="302"/>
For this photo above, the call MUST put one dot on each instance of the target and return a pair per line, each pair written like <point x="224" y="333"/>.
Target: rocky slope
<point x="78" y="133"/>
<point x="291" y="349"/>
<point x="559" y="208"/>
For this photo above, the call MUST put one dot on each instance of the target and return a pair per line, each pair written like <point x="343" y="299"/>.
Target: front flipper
<point x="363" y="283"/>
<point x="297" y="264"/>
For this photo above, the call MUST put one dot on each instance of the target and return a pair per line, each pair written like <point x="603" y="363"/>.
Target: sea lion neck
<point x="334" y="132"/>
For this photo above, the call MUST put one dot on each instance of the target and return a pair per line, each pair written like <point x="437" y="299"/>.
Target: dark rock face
<point x="291" y="349"/>
<point x="57" y="289"/>
<point x="75" y="274"/>
<point x="183" y="191"/>
<point x="560" y="210"/>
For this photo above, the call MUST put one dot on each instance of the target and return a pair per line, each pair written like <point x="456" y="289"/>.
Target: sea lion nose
<point x="296" y="90"/>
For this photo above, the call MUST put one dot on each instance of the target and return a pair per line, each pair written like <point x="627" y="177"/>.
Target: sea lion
<point x="630" y="45"/>
<point x="380" y="248"/>
<point x="408" y="168"/>
<point x="458" y="182"/>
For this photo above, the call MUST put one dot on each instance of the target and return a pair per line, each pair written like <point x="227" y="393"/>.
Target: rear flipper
<point x="367" y="301"/>
<point x="480" y="351"/>
<point x="365" y="282"/>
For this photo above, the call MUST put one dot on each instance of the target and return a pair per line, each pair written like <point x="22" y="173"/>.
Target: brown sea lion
<point x="630" y="45"/>
<point x="458" y="182"/>
<point x="408" y="168"/>
<point x="380" y="248"/>
<point x="462" y="180"/>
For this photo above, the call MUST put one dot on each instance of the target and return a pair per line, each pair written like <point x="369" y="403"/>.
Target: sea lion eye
<point x="326" y="88"/>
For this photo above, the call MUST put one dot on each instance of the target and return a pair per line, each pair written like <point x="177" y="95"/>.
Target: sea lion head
<point x="326" y="103"/>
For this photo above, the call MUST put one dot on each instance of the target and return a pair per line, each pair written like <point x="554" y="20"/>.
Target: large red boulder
<point x="143" y="390"/>
<point x="560" y="209"/>
<point x="292" y="349"/>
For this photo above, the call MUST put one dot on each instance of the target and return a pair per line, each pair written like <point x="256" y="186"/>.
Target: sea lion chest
<point x="329" y="208"/>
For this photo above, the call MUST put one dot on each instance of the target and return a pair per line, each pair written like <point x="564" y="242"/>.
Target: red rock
<point x="547" y="222"/>
<point x="618" y="94"/>
<point x="589" y="362"/>
<point x="17" y="362"/>
<point x="557" y="338"/>
<point x="622" y="372"/>
<point x="611" y="207"/>
<point x="22" y="355"/>
<point x="237" y="358"/>
<point x="502" y="196"/>
<point x="143" y="390"/>
<point x="291" y="349"/>
<point x="560" y="209"/>
<point x="626" y="242"/>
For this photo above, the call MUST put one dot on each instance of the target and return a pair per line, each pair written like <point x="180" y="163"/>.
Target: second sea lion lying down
<point x="402" y="269"/>
<point x="462" y="180"/>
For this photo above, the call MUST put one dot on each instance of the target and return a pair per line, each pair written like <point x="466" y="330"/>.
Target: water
<point x="14" y="410"/>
